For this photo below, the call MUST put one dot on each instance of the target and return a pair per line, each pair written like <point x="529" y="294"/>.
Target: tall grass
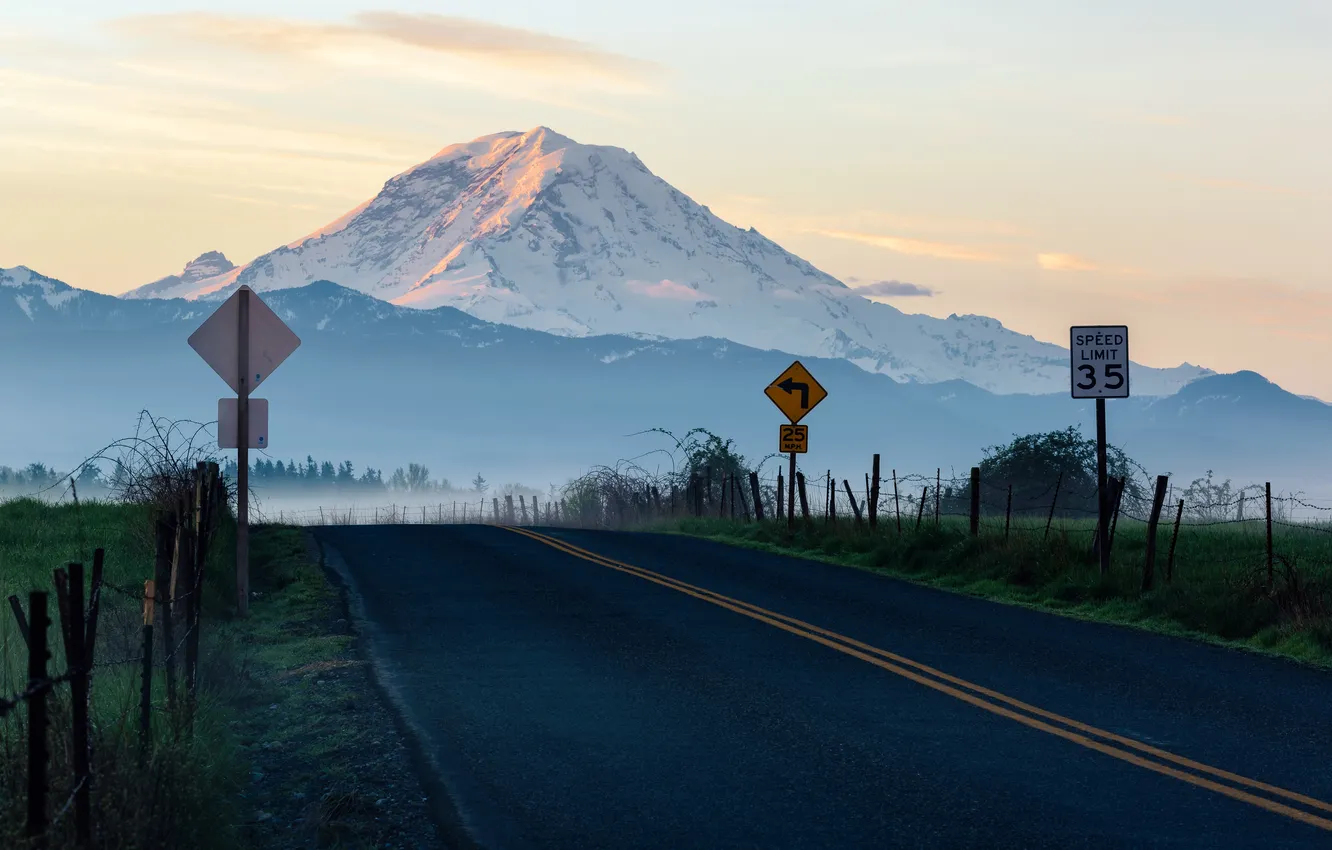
<point x="183" y="793"/>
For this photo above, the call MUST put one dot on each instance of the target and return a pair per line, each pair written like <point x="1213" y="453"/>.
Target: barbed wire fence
<point x="57" y="704"/>
<point x="1270" y="532"/>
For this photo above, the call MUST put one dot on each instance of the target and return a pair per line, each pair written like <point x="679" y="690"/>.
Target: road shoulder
<point x="329" y="766"/>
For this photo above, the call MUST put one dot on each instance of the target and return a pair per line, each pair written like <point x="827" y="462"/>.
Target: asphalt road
<point x="689" y="695"/>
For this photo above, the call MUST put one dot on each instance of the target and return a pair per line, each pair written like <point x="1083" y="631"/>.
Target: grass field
<point x="1218" y="591"/>
<point x="291" y="747"/>
<point x="182" y="796"/>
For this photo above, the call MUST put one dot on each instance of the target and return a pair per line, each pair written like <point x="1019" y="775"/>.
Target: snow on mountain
<point x="203" y="267"/>
<point x="538" y="231"/>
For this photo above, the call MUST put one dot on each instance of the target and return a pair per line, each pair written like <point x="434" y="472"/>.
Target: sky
<point x="1162" y="164"/>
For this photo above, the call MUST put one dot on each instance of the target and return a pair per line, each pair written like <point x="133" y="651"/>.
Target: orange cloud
<point x="920" y="247"/>
<point x="1066" y="263"/>
<point x="510" y="47"/>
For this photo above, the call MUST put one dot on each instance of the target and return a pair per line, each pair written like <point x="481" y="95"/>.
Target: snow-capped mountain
<point x="208" y="265"/>
<point x="538" y="231"/>
<point x="386" y="384"/>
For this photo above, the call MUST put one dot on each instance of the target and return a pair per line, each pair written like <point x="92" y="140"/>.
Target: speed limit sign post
<point x="1099" y="369"/>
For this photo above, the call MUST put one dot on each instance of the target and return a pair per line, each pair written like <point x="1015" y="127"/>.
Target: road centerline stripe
<point x="899" y="665"/>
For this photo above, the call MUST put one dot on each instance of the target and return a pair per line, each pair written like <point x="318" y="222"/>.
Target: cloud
<point x="920" y="247"/>
<point x="667" y="289"/>
<point x="894" y="289"/>
<point x="389" y="39"/>
<point x="1066" y="263"/>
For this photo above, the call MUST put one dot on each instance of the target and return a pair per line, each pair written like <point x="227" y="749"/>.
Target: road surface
<point x="582" y="689"/>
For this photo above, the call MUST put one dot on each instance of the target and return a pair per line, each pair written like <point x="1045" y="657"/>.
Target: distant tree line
<point x="92" y="481"/>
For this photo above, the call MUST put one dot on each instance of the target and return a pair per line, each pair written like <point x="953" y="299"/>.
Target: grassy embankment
<point x="1218" y="591"/>
<point x="274" y="691"/>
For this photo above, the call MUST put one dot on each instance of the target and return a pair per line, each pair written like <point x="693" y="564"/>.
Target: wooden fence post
<point x="1270" y="573"/>
<point x="920" y="514"/>
<point x="897" y="503"/>
<point x="1059" y="480"/>
<point x="1120" y="484"/>
<point x="522" y="508"/>
<point x="757" y="495"/>
<point x="852" y="499"/>
<point x="495" y="501"/>
<point x="1174" y="538"/>
<point x="781" y="495"/>
<point x="78" y="664"/>
<point x="1008" y="511"/>
<point x="1158" y="500"/>
<point x="146" y="680"/>
<point x="830" y="504"/>
<point x="509" y="515"/>
<point x="975" y="501"/>
<point x="874" y="493"/>
<point x="17" y="607"/>
<point x="937" y="491"/>
<point x="38" y="623"/>
<point x="804" y="500"/>
<point x="166" y="530"/>
<point x="744" y="503"/>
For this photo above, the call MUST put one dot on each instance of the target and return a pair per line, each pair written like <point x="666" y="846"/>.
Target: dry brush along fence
<point x="1273" y="534"/>
<point x="171" y="618"/>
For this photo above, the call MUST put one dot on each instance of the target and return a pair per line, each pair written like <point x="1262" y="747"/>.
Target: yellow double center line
<point x="1091" y="737"/>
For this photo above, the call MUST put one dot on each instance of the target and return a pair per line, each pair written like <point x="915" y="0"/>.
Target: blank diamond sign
<point x="218" y="341"/>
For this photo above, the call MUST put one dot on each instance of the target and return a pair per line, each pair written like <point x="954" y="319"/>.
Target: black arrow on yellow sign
<point x="791" y="386"/>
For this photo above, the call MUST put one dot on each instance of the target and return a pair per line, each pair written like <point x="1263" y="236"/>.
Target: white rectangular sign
<point x="228" y="431"/>
<point x="1100" y="361"/>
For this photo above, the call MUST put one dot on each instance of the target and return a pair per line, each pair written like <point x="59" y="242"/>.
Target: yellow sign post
<point x="794" y="439"/>
<point x="796" y="393"/>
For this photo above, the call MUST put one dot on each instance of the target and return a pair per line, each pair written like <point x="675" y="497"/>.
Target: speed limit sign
<point x="1100" y="361"/>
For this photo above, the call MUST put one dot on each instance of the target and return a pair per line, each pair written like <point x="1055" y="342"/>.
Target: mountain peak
<point x="536" y="230"/>
<point x="207" y="265"/>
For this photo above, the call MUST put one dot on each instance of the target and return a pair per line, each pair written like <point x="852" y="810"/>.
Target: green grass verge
<point x="183" y="794"/>
<point x="288" y="729"/>
<point x="1218" y="592"/>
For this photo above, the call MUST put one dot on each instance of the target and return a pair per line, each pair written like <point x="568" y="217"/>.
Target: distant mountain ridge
<point x="538" y="231"/>
<point x="386" y="384"/>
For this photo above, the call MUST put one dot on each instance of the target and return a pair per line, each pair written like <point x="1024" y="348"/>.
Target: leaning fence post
<point x="1158" y="500"/>
<point x="920" y="514"/>
<point x="1174" y="538"/>
<point x="804" y="500"/>
<point x="1059" y="480"/>
<point x="1120" y="484"/>
<point x="975" y="501"/>
<point x="38" y="623"/>
<point x="1270" y="575"/>
<point x="19" y="616"/>
<point x="852" y="498"/>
